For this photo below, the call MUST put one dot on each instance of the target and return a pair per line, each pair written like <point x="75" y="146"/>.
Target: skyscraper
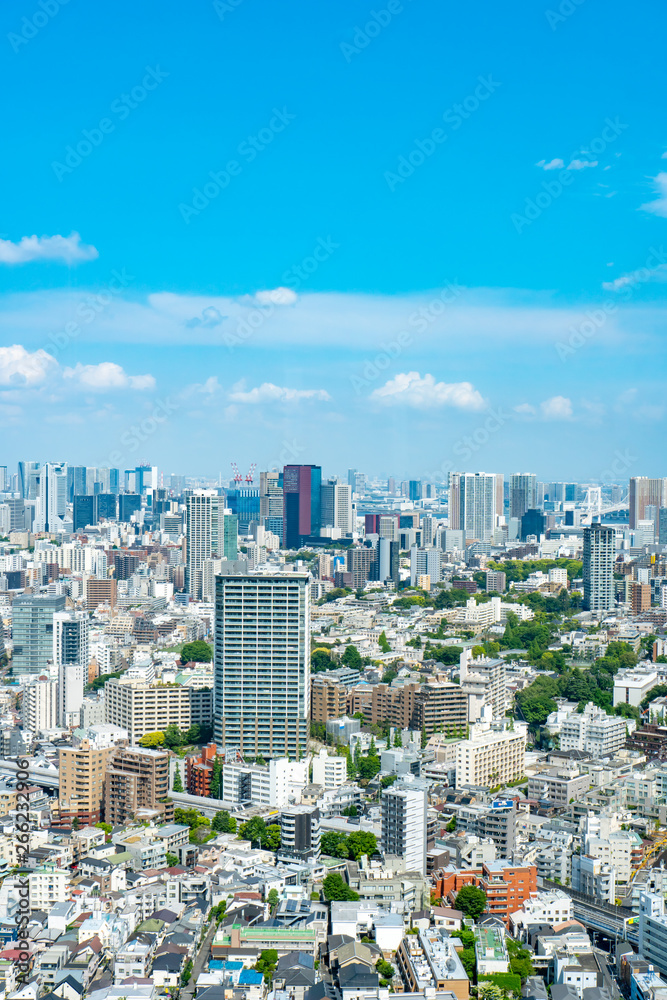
<point x="414" y="489"/>
<point x="523" y="493"/>
<point x="262" y="639"/>
<point x="204" y="510"/>
<point x="51" y="497"/>
<point x="83" y="512"/>
<point x="70" y="656"/>
<point x="404" y="825"/>
<point x="128" y="503"/>
<point x="28" y="479"/>
<point x="475" y="500"/>
<point x="336" y="506"/>
<point x="245" y="503"/>
<point x="388" y="561"/>
<point x="598" y="571"/>
<point x="645" y="492"/>
<point x="302" y="487"/>
<point x="32" y="631"/>
<point x="76" y="481"/>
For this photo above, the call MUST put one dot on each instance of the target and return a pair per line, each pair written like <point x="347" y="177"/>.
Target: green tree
<point x="196" y="652"/>
<point x="152" y="740"/>
<point x="254" y="830"/>
<point x="266" y="963"/>
<point x="383" y="642"/>
<point x="172" y="860"/>
<point x="471" y="901"/>
<point x="107" y="827"/>
<point x="385" y="971"/>
<point x="320" y="659"/>
<point x="186" y="973"/>
<point x="398" y="740"/>
<point x="173" y="737"/>
<point x="334" y="844"/>
<point x="215" y="786"/>
<point x="352" y="658"/>
<point x="178" y="781"/>
<point x="469" y="962"/>
<point x="273" y="899"/>
<point x="335" y="887"/>
<point x="272" y="842"/>
<point x="361" y="842"/>
<point x="223" y="822"/>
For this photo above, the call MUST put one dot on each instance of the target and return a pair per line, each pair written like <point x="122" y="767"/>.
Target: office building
<point x="28" y="480"/>
<point x="32" y="630"/>
<point x="76" y="482"/>
<point x="523" y="493"/>
<point x="51" y="498"/>
<point x="424" y="562"/>
<point x="83" y="512"/>
<point x="148" y="708"/>
<point x="645" y="492"/>
<point x="136" y="779"/>
<point x="141" y="480"/>
<point x="106" y="507"/>
<point x="475" y="501"/>
<point x="533" y="523"/>
<point x="414" y="490"/>
<point x="245" y="503"/>
<point x="81" y="771"/>
<point x="491" y="757"/>
<point x="262" y="658"/>
<point x="388" y="554"/>
<point x="70" y="657"/>
<point x="128" y="504"/>
<point x="40" y="705"/>
<point x="404" y="825"/>
<point x="300" y="832"/>
<point x="388" y="527"/>
<point x="336" y="506"/>
<point x="598" y="569"/>
<point x="302" y="503"/>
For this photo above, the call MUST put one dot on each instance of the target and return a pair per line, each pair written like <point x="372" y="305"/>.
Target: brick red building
<point x="506" y="886"/>
<point x="198" y="770"/>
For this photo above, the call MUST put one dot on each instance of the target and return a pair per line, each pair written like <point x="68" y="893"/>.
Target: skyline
<point x="401" y="249"/>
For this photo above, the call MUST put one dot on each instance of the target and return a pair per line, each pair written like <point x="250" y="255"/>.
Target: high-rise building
<point x="28" y="480"/>
<point x="105" y="507"/>
<point x="302" y="503"/>
<point x="428" y="530"/>
<point x="32" y="630"/>
<point x="336" y="505"/>
<point x="4" y="479"/>
<point x="245" y="503"/>
<point x="81" y="772"/>
<point x="404" y="825"/>
<point x="475" y="500"/>
<point x="424" y="562"/>
<point x="271" y="501"/>
<point x="414" y="489"/>
<point x="141" y="479"/>
<point x="262" y="657"/>
<point x="70" y="656"/>
<point x="40" y="705"/>
<point x="533" y="522"/>
<point x="136" y="778"/>
<point x="51" y="497"/>
<point x="598" y="570"/>
<point x="645" y="492"/>
<point x="204" y="510"/>
<point x="523" y="493"/>
<point x="83" y="512"/>
<point x="128" y="504"/>
<point x="361" y="565"/>
<point x="76" y="481"/>
<point x="388" y="561"/>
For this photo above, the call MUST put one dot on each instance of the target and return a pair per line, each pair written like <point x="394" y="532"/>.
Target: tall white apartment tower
<point x="475" y="500"/>
<point x="404" y="825"/>
<point x="40" y="705"/>
<point x="51" y="497"/>
<point x="598" y="571"/>
<point x="204" y="513"/>
<point x="262" y="658"/>
<point x="336" y="499"/>
<point x="70" y="656"/>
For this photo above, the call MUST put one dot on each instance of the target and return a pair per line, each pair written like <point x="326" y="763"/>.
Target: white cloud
<point x="581" y="164"/>
<point x="659" y="206"/>
<point x="525" y="408"/>
<point x="106" y="376"/>
<point x="551" y="165"/>
<point x="277" y="297"/>
<point x="267" y="392"/>
<point x="19" y="367"/>
<point x="556" y="408"/>
<point x="410" y="389"/>
<point x="64" y="249"/>
<point x="641" y="276"/>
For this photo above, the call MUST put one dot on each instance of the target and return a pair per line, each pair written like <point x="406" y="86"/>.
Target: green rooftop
<point x="489" y="939"/>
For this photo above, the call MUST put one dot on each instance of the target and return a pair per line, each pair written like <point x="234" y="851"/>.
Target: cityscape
<point x="333" y="500"/>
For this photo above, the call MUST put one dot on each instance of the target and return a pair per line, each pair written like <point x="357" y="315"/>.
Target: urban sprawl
<point x="304" y="738"/>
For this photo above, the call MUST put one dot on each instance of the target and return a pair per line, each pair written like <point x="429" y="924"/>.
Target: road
<point x="200" y="960"/>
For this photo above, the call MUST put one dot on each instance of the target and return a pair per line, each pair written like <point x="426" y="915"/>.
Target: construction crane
<point x="654" y="849"/>
<point x="238" y="478"/>
<point x="250" y="475"/>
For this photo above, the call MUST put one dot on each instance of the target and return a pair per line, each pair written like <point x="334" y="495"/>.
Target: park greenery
<point x="174" y="738"/>
<point x="196" y="652"/>
<point x="337" y="845"/>
<point x="260" y="833"/>
<point x="336" y="888"/>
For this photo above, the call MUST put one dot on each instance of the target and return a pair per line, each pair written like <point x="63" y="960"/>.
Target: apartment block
<point x="147" y="708"/>
<point x="593" y="731"/>
<point x="506" y="886"/>
<point x="136" y="779"/>
<point x="329" y="771"/>
<point x="494" y="757"/>
<point x="436" y="706"/>
<point x="82" y="770"/>
<point x="429" y="960"/>
<point x="328" y="698"/>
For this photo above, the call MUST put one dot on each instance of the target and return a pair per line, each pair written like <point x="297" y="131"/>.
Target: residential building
<point x="329" y="771"/>
<point x="328" y="697"/>
<point x="557" y="787"/>
<point x="148" y="708"/>
<point x="505" y="885"/>
<point x="204" y="514"/>
<point x="491" y="757"/>
<point x="429" y="961"/>
<point x="336" y="505"/>
<point x="475" y="500"/>
<point x="522" y="494"/>
<point x="264" y="785"/>
<point x="302" y="503"/>
<point x="40" y="705"/>
<point x="404" y="824"/>
<point x="549" y="907"/>
<point x="300" y="832"/>
<point x="632" y="686"/>
<point x="262" y="663"/>
<point x="645" y="492"/>
<point x="425" y="562"/>
<point x="490" y="950"/>
<point x="81" y="773"/>
<point x="653" y="930"/>
<point x="496" y="581"/>
<point x="436" y="706"/>
<point x="70" y="657"/>
<point x="594" y="732"/>
<point x="594" y="877"/>
<point x="136" y="779"/>
<point x="598" y="569"/>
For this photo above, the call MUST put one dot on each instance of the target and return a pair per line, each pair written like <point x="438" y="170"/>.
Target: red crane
<point x="238" y="478"/>
<point x="251" y="473"/>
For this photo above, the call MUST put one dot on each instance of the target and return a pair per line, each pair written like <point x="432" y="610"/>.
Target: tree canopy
<point x="336" y="888"/>
<point x="196" y="652"/>
<point x="471" y="901"/>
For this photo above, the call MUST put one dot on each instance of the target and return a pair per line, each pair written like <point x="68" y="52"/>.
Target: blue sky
<point x="408" y="237"/>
